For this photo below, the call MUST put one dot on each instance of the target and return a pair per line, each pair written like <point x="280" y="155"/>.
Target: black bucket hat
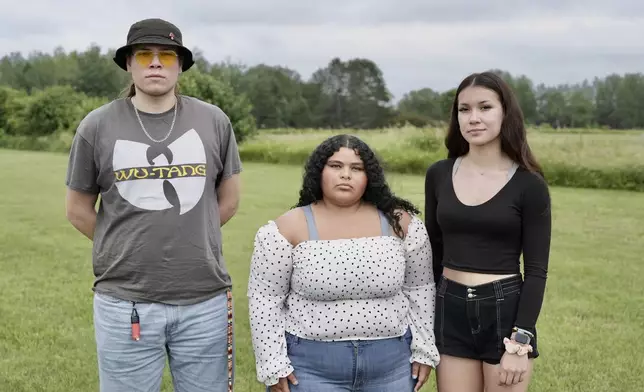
<point x="157" y="32"/>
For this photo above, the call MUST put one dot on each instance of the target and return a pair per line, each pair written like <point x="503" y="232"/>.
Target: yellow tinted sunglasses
<point x="167" y="58"/>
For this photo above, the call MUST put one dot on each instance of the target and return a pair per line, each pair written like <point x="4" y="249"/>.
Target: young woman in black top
<point x="485" y="204"/>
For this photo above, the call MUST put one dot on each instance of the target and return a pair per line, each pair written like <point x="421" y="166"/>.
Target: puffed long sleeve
<point x="268" y="287"/>
<point x="420" y="289"/>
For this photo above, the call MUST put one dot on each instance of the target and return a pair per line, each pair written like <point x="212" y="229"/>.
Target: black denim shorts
<point x="471" y="321"/>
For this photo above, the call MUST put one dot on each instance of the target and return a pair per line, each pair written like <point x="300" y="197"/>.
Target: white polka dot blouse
<point x="345" y="289"/>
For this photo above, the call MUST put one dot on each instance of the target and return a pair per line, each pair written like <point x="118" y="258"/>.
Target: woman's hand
<point x="421" y="373"/>
<point x="282" y="384"/>
<point x="512" y="368"/>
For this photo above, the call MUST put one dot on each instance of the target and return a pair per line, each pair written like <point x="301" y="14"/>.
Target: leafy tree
<point x="237" y="107"/>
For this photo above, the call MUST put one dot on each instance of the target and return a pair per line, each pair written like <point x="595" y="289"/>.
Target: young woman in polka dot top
<point x="341" y="289"/>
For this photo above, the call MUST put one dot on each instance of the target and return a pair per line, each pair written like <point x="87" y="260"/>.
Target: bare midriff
<point x="472" y="278"/>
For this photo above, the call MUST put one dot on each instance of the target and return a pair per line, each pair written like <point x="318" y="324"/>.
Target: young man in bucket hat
<point x="166" y="167"/>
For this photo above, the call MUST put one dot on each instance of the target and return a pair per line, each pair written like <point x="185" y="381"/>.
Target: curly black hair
<point x="377" y="192"/>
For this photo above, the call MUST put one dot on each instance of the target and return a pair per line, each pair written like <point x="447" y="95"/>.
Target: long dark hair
<point x="514" y="141"/>
<point x="377" y="192"/>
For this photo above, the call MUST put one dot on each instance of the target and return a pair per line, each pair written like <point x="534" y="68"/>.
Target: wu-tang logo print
<point x="160" y="179"/>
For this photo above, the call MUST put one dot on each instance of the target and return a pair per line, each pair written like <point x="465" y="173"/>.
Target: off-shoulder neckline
<point x="273" y="225"/>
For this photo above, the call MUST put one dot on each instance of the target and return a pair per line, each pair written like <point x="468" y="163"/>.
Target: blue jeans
<point x="195" y="339"/>
<point x="347" y="366"/>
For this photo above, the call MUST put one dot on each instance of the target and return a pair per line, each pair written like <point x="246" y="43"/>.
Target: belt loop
<point x="498" y="290"/>
<point x="442" y="286"/>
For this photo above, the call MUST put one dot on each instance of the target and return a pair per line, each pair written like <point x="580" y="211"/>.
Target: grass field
<point x="590" y="327"/>
<point x="587" y="148"/>
<point x="590" y="159"/>
<point x="578" y="158"/>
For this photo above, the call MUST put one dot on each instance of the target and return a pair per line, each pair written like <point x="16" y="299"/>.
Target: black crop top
<point x="489" y="238"/>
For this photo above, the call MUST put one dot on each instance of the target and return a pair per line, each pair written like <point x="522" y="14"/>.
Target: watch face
<point x="521" y="338"/>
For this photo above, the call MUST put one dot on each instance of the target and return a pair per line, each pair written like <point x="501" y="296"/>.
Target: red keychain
<point x="136" y="328"/>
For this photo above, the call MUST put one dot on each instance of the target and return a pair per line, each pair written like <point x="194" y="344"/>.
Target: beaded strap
<point x="229" y="294"/>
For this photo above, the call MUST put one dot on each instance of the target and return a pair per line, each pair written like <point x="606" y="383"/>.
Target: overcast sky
<point x="416" y="43"/>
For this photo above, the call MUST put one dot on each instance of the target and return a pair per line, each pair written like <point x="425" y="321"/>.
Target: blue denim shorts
<point x="366" y="365"/>
<point x="193" y="338"/>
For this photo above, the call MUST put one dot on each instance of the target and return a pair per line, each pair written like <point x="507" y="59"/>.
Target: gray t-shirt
<point x="158" y="235"/>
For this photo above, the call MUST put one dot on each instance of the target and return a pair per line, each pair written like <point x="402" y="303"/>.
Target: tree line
<point x="348" y="93"/>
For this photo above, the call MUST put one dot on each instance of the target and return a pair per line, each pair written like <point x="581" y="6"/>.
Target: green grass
<point x="592" y="149"/>
<point x="573" y="158"/>
<point x="590" y="326"/>
<point x="578" y="158"/>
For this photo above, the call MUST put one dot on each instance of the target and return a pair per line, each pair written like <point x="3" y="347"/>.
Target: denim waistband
<point x="292" y="338"/>
<point x="496" y="289"/>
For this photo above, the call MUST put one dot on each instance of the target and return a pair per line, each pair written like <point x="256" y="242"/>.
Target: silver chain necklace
<point x="136" y="111"/>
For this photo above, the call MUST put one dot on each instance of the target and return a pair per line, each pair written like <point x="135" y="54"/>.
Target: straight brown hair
<point x="514" y="141"/>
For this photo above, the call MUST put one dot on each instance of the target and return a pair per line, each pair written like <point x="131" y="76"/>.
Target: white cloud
<point x="416" y="43"/>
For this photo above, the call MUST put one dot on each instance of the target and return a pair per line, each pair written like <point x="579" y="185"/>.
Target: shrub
<point x="411" y="153"/>
<point x="54" y="109"/>
<point x="10" y="104"/>
<point x="236" y="106"/>
<point x="407" y="160"/>
<point x="426" y="140"/>
<point x="58" y="142"/>
<point x="625" y="178"/>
